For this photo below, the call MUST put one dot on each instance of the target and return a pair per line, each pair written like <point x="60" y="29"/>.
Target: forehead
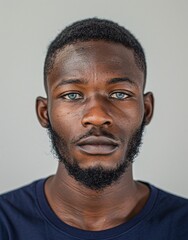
<point x="94" y="58"/>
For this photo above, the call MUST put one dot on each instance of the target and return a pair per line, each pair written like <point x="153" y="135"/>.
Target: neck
<point x="88" y="209"/>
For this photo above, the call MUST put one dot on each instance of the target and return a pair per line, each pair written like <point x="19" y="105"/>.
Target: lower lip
<point x="98" y="149"/>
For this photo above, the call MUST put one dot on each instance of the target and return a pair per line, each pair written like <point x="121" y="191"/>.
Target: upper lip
<point x="97" y="140"/>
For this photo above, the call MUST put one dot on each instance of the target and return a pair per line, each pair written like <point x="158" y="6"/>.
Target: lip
<point x="98" y="145"/>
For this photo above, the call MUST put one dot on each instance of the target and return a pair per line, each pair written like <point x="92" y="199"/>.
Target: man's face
<point x="96" y="107"/>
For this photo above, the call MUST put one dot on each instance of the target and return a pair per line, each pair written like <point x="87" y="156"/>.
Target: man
<point x="95" y="113"/>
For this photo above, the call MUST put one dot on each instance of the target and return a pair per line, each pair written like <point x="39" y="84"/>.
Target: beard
<point x="96" y="178"/>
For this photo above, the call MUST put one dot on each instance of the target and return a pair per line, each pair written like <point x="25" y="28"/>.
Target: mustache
<point x="97" y="132"/>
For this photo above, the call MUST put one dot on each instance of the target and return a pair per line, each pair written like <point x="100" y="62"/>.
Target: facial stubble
<point x="96" y="178"/>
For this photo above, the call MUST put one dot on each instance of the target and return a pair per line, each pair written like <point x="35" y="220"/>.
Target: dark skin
<point x="95" y="84"/>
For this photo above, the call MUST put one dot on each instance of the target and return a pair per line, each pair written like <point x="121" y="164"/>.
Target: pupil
<point x="120" y="95"/>
<point x="72" y="95"/>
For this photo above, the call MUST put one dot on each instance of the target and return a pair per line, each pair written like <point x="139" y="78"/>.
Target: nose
<point x="96" y="114"/>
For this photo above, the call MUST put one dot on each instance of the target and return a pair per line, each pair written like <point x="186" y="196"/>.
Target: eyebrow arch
<point x="119" y="80"/>
<point x="70" y="81"/>
<point x="82" y="81"/>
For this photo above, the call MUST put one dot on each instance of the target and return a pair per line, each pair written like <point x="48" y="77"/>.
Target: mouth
<point x="97" y="145"/>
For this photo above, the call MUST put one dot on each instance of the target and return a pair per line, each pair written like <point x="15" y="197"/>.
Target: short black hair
<point x="94" y="29"/>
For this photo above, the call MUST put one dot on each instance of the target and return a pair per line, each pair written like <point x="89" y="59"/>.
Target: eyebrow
<point x="121" y="80"/>
<point x="82" y="81"/>
<point x="71" y="81"/>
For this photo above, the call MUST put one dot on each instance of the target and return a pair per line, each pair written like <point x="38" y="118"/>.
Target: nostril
<point x="96" y="120"/>
<point x="107" y="123"/>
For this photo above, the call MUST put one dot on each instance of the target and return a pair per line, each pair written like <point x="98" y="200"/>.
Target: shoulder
<point x="18" y="200"/>
<point x="170" y="212"/>
<point x="163" y="199"/>
<point x="171" y="200"/>
<point x="20" y="192"/>
<point x="18" y="210"/>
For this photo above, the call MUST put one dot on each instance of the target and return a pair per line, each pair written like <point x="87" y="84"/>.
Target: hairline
<point x="53" y="56"/>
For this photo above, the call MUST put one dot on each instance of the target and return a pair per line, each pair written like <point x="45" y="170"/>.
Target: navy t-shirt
<point x="26" y="215"/>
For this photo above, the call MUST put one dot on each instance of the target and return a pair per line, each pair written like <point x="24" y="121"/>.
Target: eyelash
<point x="125" y="95"/>
<point x="71" y="93"/>
<point x="67" y="96"/>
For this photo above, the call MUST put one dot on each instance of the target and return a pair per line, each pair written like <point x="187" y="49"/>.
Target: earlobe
<point x="42" y="111"/>
<point x="148" y="106"/>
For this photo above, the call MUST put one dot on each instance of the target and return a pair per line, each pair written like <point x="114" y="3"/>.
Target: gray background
<point x="27" y="27"/>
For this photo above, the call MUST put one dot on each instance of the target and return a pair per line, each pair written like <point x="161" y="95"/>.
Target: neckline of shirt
<point x="135" y="222"/>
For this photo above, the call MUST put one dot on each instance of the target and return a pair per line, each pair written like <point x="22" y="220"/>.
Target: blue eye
<point x="72" y="96"/>
<point x="119" y="95"/>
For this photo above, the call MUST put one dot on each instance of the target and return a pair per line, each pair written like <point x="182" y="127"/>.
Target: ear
<point x="148" y="106"/>
<point x="42" y="111"/>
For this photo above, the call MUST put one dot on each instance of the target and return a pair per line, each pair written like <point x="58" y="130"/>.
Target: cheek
<point x="130" y="113"/>
<point x="64" y="121"/>
<point x="129" y="120"/>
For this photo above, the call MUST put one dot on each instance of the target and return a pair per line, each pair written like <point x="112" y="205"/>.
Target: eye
<point x="72" y="96"/>
<point x="119" y="95"/>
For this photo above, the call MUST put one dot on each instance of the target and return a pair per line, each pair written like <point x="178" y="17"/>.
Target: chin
<point x="106" y="163"/>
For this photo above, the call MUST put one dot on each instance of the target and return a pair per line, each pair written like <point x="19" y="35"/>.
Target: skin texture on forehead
<point x="117" y="56"/>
